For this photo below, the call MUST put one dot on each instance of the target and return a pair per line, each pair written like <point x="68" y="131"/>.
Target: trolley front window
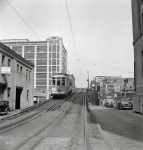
<point x="58" y="81"/>
<point x="63" y="81"/>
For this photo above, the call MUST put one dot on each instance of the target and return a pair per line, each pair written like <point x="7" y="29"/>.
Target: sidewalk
<point x="10" y="113"/>
<point x="97" y="137"/>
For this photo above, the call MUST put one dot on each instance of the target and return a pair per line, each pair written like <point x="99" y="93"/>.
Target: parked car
<point x="4" y="107"/>
<point x="111" y="105"/>
<point x="125" y="105"/>
<point x="106" y="104"/>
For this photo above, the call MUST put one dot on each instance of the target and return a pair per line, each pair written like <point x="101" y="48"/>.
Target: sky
<point x="97" y="34"/>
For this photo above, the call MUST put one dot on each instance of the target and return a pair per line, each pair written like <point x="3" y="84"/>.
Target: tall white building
<point x="49" y="58"/>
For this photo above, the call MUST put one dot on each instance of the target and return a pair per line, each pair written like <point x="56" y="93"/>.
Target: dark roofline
<point x="14" y="54"/>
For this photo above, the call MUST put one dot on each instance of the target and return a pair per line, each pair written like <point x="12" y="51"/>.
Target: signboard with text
<point x="109" y="86"/>
<point x="5" y="70"/>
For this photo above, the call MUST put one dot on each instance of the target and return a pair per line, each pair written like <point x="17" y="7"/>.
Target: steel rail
<point x="86" y="134"/>
<point x="46" y="126"/>
<point x="53" y="107"/>
<point x="26" y="110"/>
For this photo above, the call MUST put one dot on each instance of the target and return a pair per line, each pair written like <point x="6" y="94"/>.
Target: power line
<point x="72" y="32"/>
<point x="101" y="65"/>
<point x="23" y="19"/>
<point x="71" y="28"/>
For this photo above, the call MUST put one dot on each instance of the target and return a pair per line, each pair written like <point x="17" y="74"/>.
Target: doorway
<point x="18" y="98"/>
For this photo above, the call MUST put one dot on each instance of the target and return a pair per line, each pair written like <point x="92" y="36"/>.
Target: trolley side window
<point x="70" y="82"/>
<point x="53" y="81"/>
<point x="63" y="81"/>
<point x="58" y="81"/>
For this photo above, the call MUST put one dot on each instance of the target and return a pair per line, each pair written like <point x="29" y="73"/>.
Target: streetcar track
<point x="86" y="134"/>
<point x="34" y="107"/>
<point x="51" y="122"/>
<point x="24" y="111"/>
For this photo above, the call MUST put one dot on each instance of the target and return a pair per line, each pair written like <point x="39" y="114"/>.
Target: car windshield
<point x="3" y="103"/>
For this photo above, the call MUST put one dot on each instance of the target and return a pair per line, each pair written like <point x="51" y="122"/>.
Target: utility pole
<point x="88" y="78"/>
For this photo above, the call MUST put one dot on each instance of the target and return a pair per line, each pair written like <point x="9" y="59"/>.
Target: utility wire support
<point x="23" y="19"/>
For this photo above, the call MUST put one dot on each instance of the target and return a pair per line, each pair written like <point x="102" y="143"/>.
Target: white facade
<point x="49" y="58"/>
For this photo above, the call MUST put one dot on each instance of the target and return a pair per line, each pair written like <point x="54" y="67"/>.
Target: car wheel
<point x="7" y="112"/>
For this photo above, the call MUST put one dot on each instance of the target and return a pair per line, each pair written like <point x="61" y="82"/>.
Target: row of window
<point x="54" y="61"/>
<point x="44" y="61"/>
<point x="5" y="63"/>
<point x="27" y="49"/>
<point x="28" y="72"/>
<point x="9" y="90"/>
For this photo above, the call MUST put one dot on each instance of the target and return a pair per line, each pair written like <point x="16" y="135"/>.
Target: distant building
<point x="137" y="21"/>
<point x="49" y="58"/>
<point x="110" y="87"/>
<point x="16" y="79"/>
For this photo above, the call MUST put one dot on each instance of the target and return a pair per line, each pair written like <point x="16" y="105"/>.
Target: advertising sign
<point x="109" y="86"/>
<point x="5" y="70"/>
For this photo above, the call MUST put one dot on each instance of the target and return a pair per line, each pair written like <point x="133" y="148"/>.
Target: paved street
<point x="122" y="129"/>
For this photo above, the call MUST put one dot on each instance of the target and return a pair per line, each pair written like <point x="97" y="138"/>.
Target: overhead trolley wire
<point x="23" y="19"/>
<point x="71" y="28"/>
<point x="72" y="32"/>
<point x="101" y="65"/>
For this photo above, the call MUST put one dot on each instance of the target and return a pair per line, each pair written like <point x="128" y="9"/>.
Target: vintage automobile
<point x="125" y="105"/>
<point x="4" y="107"/>
<point x="106" y="105"/>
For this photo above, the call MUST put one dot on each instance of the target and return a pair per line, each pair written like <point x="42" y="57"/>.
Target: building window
<point x="53" y="61"/>
<point x="49" y="68"/>
<point x="58" y="48"/>
<point x="26" y="74"/>
<point x="54" y="48"/>
<point x="8" y="92"/>
<point x="29" y="76"/>
<point x="17" y="67"/>
<point x="58" y="69"/>
<point x="27" y="95"/>
<point x="3" y="60"/>
<point x="58" y="55"/>
<point x="49" y="61"/>
<point x="21" y="68"/>
<point x="53" y="55"/>
<point x="29" y="49"/>
<point x="41" y="48"/>
<point x="9" y="61"/>
<point x="58" y="62"/>
<point x="49" y="55"/>
<point x="53" y="68"/>
<point x="50" y="48"/>
<point x="41" y="55"/>
<point x="18" y="50"/>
